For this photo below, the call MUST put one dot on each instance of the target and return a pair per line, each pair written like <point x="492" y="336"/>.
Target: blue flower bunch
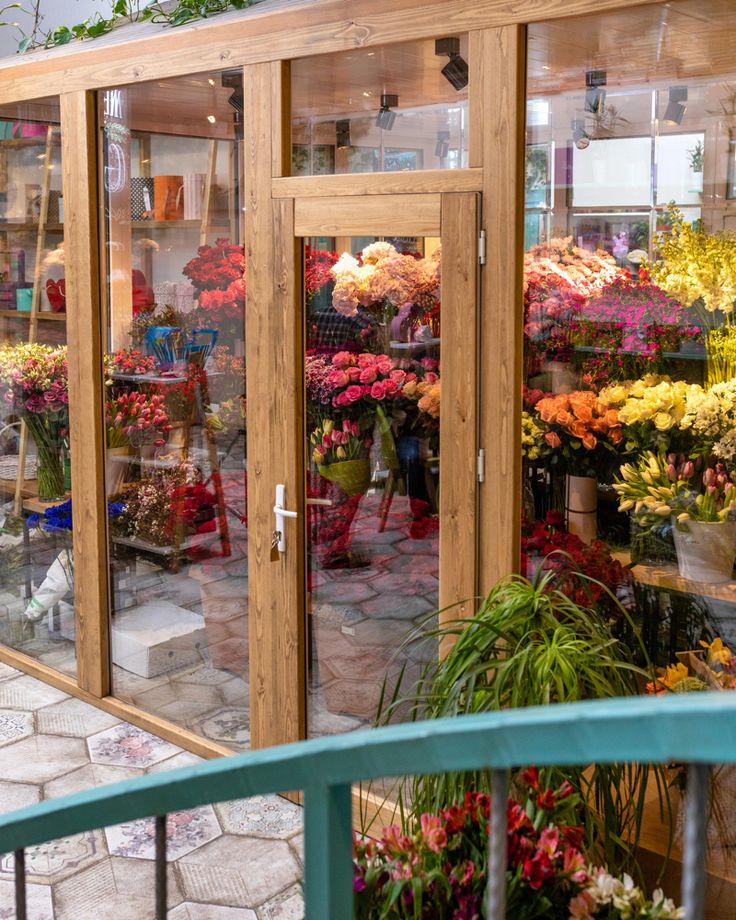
<point x="58" y="518"/>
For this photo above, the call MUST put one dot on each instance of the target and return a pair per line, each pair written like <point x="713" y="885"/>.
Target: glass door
<point x="390" y="440"/>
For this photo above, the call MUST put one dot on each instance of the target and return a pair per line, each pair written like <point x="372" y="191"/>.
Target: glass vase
<point x="50" y="474"/>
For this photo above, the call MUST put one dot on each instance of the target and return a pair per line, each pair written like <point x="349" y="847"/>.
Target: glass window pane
<point x="403" y="107"/>
<point x="175" y="401"/>
<point x="36" y="558"/>
<point x="372" y="381"/>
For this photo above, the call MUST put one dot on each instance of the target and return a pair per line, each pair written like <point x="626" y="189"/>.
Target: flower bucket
<point x="116" y="468"/>
<point x="353" y="476"/>
<point x="581" y="507"/>
<point x="706" y="550"/>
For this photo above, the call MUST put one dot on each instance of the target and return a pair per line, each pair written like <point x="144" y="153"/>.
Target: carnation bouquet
<point x="34" y="385"/>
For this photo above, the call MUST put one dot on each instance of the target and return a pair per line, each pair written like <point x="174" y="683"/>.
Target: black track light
<point x="675" y="111"/>
<point x="342" y="132"/>
<point x="442" y="148"/>
<point x="595" y="95"/>
<point x="386" y="118"/>
<point x="455" y="70"/>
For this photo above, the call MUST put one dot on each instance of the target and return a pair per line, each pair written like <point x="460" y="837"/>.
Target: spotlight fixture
<point x="342" y="132"/>
<point x="595" y="95"/>
<point x="455" y="70"/>
<point x="675" y="111"/>
<point x="580" y="136"/>
<point x="386" y="117"/>
<point x="233" y="79"/>
<point x="442" y="147"/>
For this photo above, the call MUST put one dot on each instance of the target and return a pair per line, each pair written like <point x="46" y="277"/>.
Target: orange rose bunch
<point x="579" y="420"/>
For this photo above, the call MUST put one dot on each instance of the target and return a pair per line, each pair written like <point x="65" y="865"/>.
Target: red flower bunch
<point x="441" y="863"/>
<point x="317" y="269"/>
<point x="129" y="361"/>
<point x="550" y="547"/>
<point x="135" y="418"/>
<point x="192" y="510"/>
<point x="214" y="268"/>
<point x="227" y="304"/>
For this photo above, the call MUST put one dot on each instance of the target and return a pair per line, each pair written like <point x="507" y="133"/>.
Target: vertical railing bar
<point x="696" y="824"/>
<point x="497" y="847"/>
<point x="328" y="846"/>
<point x="20" y="885"/>
<point x="161" y="893"/>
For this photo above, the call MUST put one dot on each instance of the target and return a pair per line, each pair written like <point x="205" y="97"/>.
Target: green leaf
<point x="24" y="44"/>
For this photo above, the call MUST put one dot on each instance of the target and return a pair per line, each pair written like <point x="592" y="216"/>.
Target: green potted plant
<point x="529" y="644"/>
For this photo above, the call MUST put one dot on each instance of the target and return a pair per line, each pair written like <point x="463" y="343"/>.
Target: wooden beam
<point x="268" y="32"/>
<point x="458" y="416"/>
<point x="87" y="430"/>
<point x="399" y="215"/>
<point x="275" y="353"/>
<point x="501" y="331"/>
<point x="399" y="183"/>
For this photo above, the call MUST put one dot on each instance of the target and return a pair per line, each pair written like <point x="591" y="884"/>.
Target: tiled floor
<point x="235" y="861"/>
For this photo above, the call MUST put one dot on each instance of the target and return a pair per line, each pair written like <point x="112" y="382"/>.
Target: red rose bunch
<point x="214" y="268"/>
<point x="318" y="263"/>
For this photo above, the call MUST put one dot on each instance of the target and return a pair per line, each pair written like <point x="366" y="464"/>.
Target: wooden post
<point x="87" y="430"/>
<point x="275" y="353"/>
<point x="497" y="110"/>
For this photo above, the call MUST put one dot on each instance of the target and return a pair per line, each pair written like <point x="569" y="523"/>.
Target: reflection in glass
<point x="175" y="403"/>
<point x="373" y="385"/>
<point x="36" y="558"/>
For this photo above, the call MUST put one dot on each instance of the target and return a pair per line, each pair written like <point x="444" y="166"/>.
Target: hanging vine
<point x="121" y="11"/>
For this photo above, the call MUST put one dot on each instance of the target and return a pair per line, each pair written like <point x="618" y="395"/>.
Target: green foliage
<point x="529" y="644"/>
<point x="185" y="11"/>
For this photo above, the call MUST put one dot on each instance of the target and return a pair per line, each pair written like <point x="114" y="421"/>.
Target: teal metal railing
<point x="696" y="729"/>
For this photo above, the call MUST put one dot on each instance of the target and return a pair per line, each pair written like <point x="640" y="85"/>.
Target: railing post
<point x="497" y="847"/>
<point x="696" y="823"/>
<point x="161" y="892"/>
<point x="328" y="850"/>
<point x="20" y="885"/>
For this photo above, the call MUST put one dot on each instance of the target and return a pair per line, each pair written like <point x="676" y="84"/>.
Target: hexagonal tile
<point x="74" y="718"/>
<point x="18" y="795"/>
<point x="38" y="901"/>
<point x="261" y="816"/>
<point x="238" y="871"/>
<point x="57" y="860"/>
<point x="87" y="777"/>
<point x="14" y="725"/>
<point x="128" y="746"/>
<point x="28" y="693"/>
<point x="287" y="906"/>
<point x="344" y="592"/>
<point x="185" y="831"/>
<point x="395" y="608"/>
<point x="191" y="911"/>
<point x="41" y="758"/>
<point x="229" y="726"/>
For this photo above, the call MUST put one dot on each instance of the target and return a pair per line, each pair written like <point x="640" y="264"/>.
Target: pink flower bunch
<point x="353" y="381"/>
<point x="129" y="361"/>
<point x="34" y="378"/>
<point x="135" y="418"/>
<point x="332" y="443"/>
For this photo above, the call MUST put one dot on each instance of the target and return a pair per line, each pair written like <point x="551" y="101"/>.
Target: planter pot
<point x="116" y="468"/>
<point x="353" y="476"/>
<point x="581" y="507"/>
<point x="706" y="551"/>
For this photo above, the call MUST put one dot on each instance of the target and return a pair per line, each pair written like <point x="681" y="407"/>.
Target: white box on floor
<point x="151" y="639"/>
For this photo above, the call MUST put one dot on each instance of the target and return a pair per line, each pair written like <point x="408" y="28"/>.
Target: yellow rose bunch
<point x="533" y="445"/>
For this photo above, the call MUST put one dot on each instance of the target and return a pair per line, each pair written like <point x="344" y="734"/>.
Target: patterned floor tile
<point x="191" y="911"/>
<point x="8" y="673"/>
<point x="239" y="871"/>
<point x="41" y="758"/>
<point x="14" y="725"/>
<point x="128" y="746"/>
<point x="39" y="904"/>
<point x="183" y="759"/>
<point x="87" y="777"/>
<point x="52" y="862"/>
<point x="261" y="816"/>
<point x="227" y="725"/>
<point x="186" y="831"/>
<point x="18" y="795"/>
<point x="28" y="693"/>
<point x="74" y="718"/>
<point x="287" y="906"/>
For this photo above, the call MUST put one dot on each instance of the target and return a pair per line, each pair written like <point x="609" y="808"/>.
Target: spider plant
<point x="529" y="644"/>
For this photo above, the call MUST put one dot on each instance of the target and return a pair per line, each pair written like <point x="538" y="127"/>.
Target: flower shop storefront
<point x="317" y="324"/>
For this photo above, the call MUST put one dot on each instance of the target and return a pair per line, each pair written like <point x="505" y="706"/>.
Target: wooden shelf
<point x="26" y="314"/>
<point x="6" y="225"/>
<point x="28" y="490"/>
<point x="176" y="225"/>
<point x="667" y="577"/>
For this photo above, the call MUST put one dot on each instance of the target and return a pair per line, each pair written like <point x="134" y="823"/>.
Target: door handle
<point x="280" y="516"/>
